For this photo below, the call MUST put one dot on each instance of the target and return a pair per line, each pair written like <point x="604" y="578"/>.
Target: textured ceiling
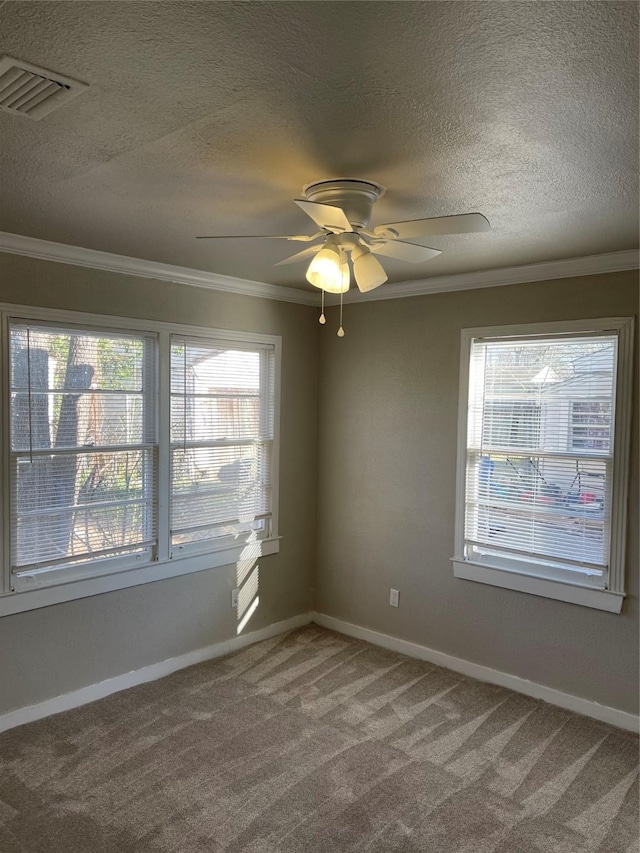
<point x="208" y="118"/>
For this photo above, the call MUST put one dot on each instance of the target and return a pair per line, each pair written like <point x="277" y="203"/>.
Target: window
<point x="544" y="430"/>
<point x="221" y="441"/>
<point x="131" y="455"/>
<point x="83" y="456"/>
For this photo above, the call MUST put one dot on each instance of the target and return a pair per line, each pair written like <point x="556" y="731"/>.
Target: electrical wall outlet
<point x="234" y="597"/>
<point x="394" y="597"/>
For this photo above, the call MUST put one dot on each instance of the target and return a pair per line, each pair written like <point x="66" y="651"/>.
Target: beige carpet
<point x="317" y="742"/>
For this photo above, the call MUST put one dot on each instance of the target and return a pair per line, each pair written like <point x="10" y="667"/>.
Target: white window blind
<point x="540" y="444"/>
<point x="222" y="435"/>
<point x="82" y="447"/>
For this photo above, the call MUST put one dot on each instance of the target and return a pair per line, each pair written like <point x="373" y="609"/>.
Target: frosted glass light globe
<point x="329" y="270"/>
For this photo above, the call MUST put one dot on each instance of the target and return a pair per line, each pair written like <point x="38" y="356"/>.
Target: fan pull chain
<point x="322" y="319"/>
<point x="341" y="330"/>
<point x="29" y="393"/>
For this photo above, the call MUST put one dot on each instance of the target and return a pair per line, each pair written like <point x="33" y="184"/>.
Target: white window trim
<point x="611" y="598"/>
<point x="148" y="441"/>
<point x="87" y="580"/>
<point x="204" y="546"/>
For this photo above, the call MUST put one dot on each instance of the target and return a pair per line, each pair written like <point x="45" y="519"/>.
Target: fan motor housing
<point x="356" y="198"/>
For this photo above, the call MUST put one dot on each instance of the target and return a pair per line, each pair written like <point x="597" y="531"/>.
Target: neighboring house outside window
<point x="590" y="425"/>
<point x="543" y="459"/>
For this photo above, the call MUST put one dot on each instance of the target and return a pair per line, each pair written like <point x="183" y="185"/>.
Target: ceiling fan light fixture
<point x="342" y="208"/>
<point x="329" y="270"/>
<point x="367" y="270"/>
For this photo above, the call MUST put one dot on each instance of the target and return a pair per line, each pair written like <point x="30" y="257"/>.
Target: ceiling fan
<point x="342" y="210"/>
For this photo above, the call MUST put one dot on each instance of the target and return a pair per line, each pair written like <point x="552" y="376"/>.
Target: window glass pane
<point x="75" y="389"/>
<point x="528" y="394"/>
<point x="221" y="433"/>
<point x="74" y="505"/>
<point x="62" y="359"/>
<point x="79" y="390"/>
<point x="553" y="507"/>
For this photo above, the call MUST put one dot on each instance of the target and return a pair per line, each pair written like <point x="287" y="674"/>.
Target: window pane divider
<point x="545" y="559"/>
<point x="6" y="584"/>
<point x="24" y="389"/>
<point x="209" y="491"/>
<point x="57" y="510"/>
<point x="535" y="337"/>
<point x="219" y="442"/>
<point x="200" y="395"/>
<point x="82" y="559"/>
<point x="82" y="449"/>
<point x="543" y="454"/>
<point x="163" y="412"/>
<point x="222" y="523"/>
<point x="536" y="508"/>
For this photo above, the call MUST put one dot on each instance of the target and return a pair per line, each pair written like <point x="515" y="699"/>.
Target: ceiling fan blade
<point x="368" y="272"/>
<point x="325" y="215"/>
<point x="464" y="223"/>
<point x="301" y="238"/>
<point x="404" y="251"/>
<point x="304" y="255"/>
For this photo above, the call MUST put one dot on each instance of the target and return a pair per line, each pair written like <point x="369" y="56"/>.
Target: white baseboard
<point x="148" y="673"/>
<point x="605" y="714"/>
<point x="84" y="695"/>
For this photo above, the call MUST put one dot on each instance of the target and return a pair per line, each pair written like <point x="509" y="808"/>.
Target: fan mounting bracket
<point x="386" y="233"/>
<point x="346" y="241"/>
<point x="355" y="197"/>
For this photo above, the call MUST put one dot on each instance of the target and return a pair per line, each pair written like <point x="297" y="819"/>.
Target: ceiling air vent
<point x="26" y="90"/>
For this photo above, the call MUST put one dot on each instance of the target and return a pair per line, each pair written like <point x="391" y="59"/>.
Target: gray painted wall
<point x="49" y="652"/>
<point x="387" y="453"/>
<point x="387" y="464"/>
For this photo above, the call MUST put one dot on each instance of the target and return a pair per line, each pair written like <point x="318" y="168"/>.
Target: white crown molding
<point x="33" y="247"/>
<point x="545" y="271"/>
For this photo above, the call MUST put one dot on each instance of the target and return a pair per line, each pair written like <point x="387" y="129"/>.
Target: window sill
<point x="599" y="599"/>
<point x="44" y="596"/>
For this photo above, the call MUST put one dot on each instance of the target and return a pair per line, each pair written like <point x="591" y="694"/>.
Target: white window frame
<point x="27" y="577"/>
<point x="205" y="545"/>
<point x="95" y="577"/>
<point x="540" y="581"/>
